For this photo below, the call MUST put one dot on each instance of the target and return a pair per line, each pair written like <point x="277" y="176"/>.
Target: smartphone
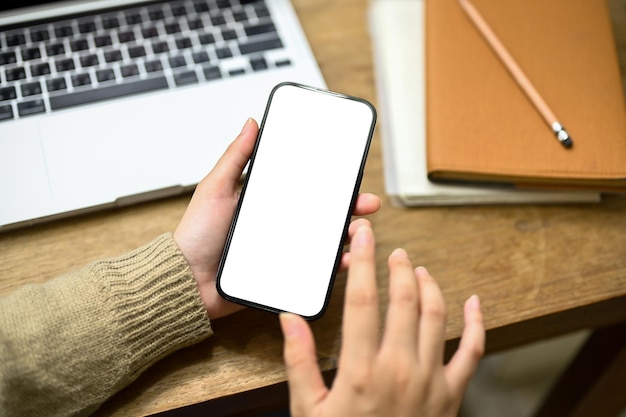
<point x="287" y="235"/>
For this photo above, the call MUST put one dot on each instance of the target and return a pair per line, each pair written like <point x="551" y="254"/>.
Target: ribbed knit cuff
<point x="155" y="302"/>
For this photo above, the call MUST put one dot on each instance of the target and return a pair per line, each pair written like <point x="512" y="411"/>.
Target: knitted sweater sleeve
<point x="69" y="344"/>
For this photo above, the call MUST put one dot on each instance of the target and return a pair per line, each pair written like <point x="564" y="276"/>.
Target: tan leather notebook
<point x="480" y="124"/>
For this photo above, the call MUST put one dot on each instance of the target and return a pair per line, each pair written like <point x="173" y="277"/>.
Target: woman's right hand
<point x="401" y="375"/>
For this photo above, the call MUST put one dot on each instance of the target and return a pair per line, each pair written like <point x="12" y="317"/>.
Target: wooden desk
<point x="541" y="271"/>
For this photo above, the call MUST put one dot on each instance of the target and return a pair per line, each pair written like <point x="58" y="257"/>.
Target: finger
<point x="366" y="203"/>
<point x="433" y="314"/>
<point x="355" y="225"/>
<point x="344" y="264"/>
<point x="360" y="319"/>
<point x="306" y="385"/>
<point x="402" y="314"/>
<point x="465" y="361"/>
<point x="221" y="182"/>
<point x="230" y="166"/>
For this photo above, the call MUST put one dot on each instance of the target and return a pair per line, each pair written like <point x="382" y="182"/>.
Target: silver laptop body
<point x="106" y="103"/>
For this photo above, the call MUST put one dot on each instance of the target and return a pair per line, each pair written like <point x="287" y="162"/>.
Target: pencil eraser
<point x="567" y="142"/>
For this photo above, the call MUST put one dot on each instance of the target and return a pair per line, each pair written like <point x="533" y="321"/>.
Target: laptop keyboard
<point x="87" y="59"/>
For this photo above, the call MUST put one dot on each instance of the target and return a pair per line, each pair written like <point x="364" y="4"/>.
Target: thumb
<point x="229" y="167"/>
<point x="306" y="386"/>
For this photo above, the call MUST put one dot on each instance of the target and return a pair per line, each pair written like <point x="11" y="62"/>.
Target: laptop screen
<point x="14" y="4"/>
<point x="15" y="10"/>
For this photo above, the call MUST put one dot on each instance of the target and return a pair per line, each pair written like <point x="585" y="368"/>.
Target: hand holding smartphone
<point x="286" y="238"/>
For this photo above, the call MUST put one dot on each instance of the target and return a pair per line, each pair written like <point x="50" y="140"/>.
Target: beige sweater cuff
<point x="155" y="302"/>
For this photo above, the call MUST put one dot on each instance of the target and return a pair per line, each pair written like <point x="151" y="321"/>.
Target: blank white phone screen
<point x="288" y="232"/>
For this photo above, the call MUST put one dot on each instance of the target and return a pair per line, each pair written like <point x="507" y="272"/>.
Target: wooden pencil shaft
<point x="508" y="61"/>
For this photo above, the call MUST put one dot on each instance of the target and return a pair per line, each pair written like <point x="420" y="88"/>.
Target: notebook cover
<point x="397" y="32"/>
<point x="480" y="124"/>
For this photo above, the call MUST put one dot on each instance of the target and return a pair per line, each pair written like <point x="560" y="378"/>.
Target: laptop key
<point x="82" y="79"/>
<point x="40" y="69"/>
<point x="183" y="43"/>
<point x="105" y="93"/>
<point x="86" y="26"/>
<point x="7" y="93"/>
<point x="240" y="16"/>
<point x="150" y="32"/>
<point x="28" y="108"/>
<point x="283" y="63"/>
<point x="7" y="58"/>
<point x="160" y="47"/>
<point x="262" y="11"/>
<point x="105" y="75"/>
<point x="237" y="71"/>
<point x="212" y="73"/>
<point x="200" y="57"/>
<point x="223" y="53"/>
<point x="195" y="24"/>
<point x="156" y="15"/>
<point x="218" y="20"/>
<point x="229" y="34"/>
<point x="186" y="77"/>
<point x="177" y="61"/>
<point x="260" y="46"/>
<point x="39" y="35"/>
<point x="88" y="60"/>
<point x="172" y="28"/>
<point x="126" y="36"/>
<point x="136" y="51"/>
<point x="64" y="64"/>
<point x="179" y="10"/>
<point x="104" y="40"/>
<point x="56" y="84"/>
<point x="110" y="22"/>
<point x="15" y="39"/>
<point x="55" y="49"/>
<point x="252" y="30"/>
<point x="206" y="38"/>
<point x="133" y="19"/>
<point x="113" y="56"/>
<point x="31" y="89"/>
<point x="79" y="45"/>
<point x="153" y="66"/>
<point x="201" y="7"/>
<point x="258" y="64"/>
<point x="6" y="112"/>
<point x="63" y="31"/>
<point x="129" y="70"/>
<point x="31" y="53"/>
<point x="14" y="74"/>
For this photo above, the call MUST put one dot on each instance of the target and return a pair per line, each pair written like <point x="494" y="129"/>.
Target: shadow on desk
<point x="198" y="411"/>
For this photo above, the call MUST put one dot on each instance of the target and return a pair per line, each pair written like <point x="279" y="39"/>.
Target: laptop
<point x="105" y="103"/>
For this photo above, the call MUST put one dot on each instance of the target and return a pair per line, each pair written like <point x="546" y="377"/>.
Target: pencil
<point x="517" y="73"/>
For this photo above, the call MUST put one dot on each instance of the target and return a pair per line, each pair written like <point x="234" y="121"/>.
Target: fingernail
<point x="474" y="302"/>
<point x="288" y="324"/>
<point x="246" y="126"/>
<point x="400" y="253"/>
<point x="362" y="237"/>
<point x="421" y="271"/>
